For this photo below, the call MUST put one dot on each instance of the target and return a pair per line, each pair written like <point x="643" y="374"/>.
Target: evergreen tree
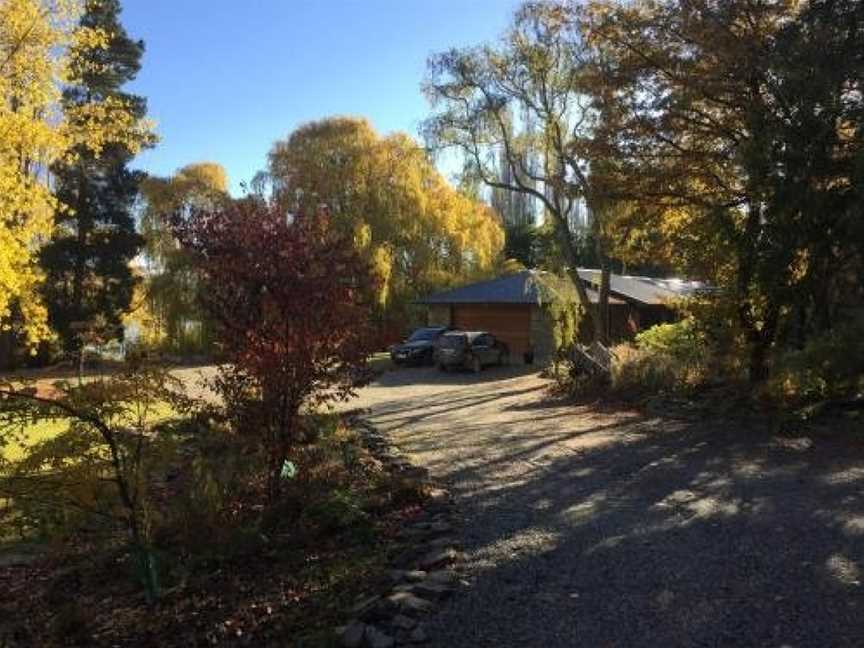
<point x="89" y="283"/>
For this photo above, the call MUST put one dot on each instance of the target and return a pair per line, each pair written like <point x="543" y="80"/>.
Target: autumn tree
<point x="533" y="92"/>
<point x="167" y="310"/>
<point x="417" y="231"/>
<point x="87" y="262"/>
<point x="290" y="299"/>
<point x="738" y="135"/>
<point x="41" y="43"/>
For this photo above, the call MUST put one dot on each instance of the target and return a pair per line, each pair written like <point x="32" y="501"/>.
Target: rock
<point x="409" y="603"/>
<point x="439" y="496"/>
<point x="377" y="639"/>
<point x="443" y="576"/>
<point x="431" y="590"/>
<point x="352" y="635"/>
<point x="440" y="527"/>
<point x="437" y="558"/>
<point x="365" y="606"/>
<point x="403" y="622"/>
<point x="446" y="541"/>
<point x="415" y="575"/>
<point x="418" y="635"/>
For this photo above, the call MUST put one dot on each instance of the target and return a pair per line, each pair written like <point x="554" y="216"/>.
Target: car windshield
<point x="423" y="334"/>
<point x="452" y="341"/>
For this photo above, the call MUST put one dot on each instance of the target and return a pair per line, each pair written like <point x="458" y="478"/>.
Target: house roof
<point x="520" y="288"/>
<point x="646" y="290"/>
<point x="533" y="287"/>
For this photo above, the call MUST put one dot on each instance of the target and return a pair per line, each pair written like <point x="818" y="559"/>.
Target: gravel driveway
<point x="589" y="528"/>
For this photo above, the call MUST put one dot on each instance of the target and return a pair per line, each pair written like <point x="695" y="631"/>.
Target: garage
<point x="510" y="323"/>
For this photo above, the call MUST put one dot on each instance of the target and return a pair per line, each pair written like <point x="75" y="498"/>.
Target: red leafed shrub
<point x="289" y="298"/>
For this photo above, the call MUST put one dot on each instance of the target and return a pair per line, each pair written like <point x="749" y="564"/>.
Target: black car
<point x="419" y="348"/>
<point x="471" y="350"/>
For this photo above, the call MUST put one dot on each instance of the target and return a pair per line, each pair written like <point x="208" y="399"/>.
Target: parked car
<point x="471" y="350"/>
<point x="419" y="348"/>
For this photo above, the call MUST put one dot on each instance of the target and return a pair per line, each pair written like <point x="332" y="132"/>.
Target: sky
<point x="225" y="79"/>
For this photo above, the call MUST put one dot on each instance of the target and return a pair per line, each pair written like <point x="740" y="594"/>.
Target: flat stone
<point x="415" y="575"/>
<point x="403" y="622"/>
<point x="431" y="590"/>
<point x="377" y="639"/>
<point x="365" y="605"/>
<point x="437" y="558"/>
<point x="410" y="603"/>
<point x="439" y="496"/>
<point x="352" y="635"/>
<point x="446" y="541"/>
<point x="443" y="576"/>
<point x="418" y="635"/>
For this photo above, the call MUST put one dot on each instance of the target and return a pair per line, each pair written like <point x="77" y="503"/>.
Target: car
<point x="470" y="350"/>
<point x="419" y="348"/>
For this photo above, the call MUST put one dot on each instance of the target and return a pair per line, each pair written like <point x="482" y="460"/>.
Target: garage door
<point x="509" y="323"/>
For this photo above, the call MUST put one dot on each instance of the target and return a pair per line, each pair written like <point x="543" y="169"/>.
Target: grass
<point x="44" y="430"/>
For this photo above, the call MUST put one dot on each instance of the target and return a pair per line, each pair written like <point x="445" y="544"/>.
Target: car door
<point x="482" y="348"/>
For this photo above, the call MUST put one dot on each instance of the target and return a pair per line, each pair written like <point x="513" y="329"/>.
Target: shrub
<point x="291" y="300"/>
<point x="96" y="477"/>
<point x="666" y="358"/>
<point x="829" y="368"/>
<point x="638" y="372"/>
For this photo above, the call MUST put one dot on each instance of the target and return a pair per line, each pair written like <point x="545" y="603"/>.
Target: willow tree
<point x="167" y="305"/>
<point x="40" y="44"/>
<point x="418" y="231"/>
<point x="535" y="91"/>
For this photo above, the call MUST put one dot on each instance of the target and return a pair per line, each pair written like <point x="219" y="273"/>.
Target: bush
<point x="640" y="372"/>
<point x="666" y="358"/>
<point x="829" y="368"/>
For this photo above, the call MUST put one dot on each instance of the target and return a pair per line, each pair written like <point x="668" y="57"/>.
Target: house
<point x="512" y="307"/>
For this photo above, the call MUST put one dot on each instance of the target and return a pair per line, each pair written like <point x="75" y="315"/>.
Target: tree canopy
<point x="418" y="232"/>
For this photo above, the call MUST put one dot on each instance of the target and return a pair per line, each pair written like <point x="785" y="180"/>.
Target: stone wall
<point x="541" y="335"/>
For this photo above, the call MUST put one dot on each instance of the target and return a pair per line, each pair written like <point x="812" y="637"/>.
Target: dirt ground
<point x="613" y="528"/>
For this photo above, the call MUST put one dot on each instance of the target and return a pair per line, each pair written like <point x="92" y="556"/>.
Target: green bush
<point x="639" y="372"/>
<point x="666" y="358"/>
<point x="830" y="367"/>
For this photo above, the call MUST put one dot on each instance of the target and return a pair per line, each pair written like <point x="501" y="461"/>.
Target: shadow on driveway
<point x="616" y="529"/>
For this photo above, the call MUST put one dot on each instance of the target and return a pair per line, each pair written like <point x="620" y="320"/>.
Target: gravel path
<point x="588" y="528"/>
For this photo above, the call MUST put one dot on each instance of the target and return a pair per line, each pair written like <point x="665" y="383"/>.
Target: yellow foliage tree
<point x="419" y="232"/>
<point x="40" y="45"/>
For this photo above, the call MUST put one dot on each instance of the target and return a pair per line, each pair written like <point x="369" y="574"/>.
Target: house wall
<point x="511" y="323"/>
<point x="439" y="315"/>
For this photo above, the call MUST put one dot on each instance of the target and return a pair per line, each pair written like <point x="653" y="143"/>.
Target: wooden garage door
<point x="509" y="323"/>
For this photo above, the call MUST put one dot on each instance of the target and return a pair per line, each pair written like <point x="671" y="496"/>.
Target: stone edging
<point x="423" y="575"/>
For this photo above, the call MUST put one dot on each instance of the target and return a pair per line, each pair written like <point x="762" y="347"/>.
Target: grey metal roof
<point x="519" y="288"/>
<point x="646" y="290"/>
<point x="524" y="288"/>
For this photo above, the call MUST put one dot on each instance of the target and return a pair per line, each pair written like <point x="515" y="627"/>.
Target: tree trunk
<point x="603" y="300"/>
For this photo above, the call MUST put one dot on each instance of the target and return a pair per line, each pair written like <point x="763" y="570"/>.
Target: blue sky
<point x="224" y="79"/>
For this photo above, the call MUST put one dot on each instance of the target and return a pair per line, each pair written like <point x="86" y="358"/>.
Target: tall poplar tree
<point x="87" y="262"/>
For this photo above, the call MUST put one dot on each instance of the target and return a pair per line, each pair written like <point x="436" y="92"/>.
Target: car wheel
<point x="475" y="365"/>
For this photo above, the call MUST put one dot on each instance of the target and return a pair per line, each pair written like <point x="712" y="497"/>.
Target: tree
<point x="290" y="299"/>
<point x="534" y="92"/>
<point x="87" y="261"/>
<point x="167" y="310"/>
<point x="738" y="132"/>
<point x="40" y="42"/>
<point x="414" y="228"/>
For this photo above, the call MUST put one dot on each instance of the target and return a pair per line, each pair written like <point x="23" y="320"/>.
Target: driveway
<point x="608" y="528"/>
